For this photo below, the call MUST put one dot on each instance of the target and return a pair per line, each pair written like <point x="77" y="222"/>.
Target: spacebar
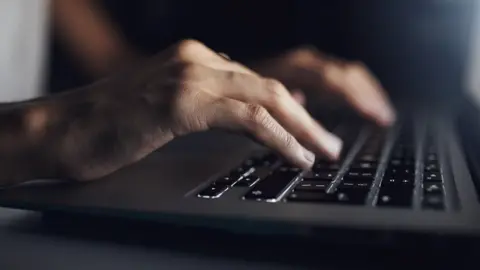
<point x="272" y="187"/>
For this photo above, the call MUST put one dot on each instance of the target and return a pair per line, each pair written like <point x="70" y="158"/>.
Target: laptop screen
<point x="472" y="74"/>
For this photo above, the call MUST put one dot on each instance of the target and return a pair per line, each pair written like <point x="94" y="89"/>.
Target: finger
<point x="361" y="90"/>
<point x="224" y="55"/>
<point x="388" y="116"/>
<point x="299" y="96"/>
<point x="290" y="114"/>
<point x="239" y="116"/>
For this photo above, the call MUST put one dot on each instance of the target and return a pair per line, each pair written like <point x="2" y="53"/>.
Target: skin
<point x="325" y="76"/>
<point x="90" y="132"/>
<point x="91" y="37"/>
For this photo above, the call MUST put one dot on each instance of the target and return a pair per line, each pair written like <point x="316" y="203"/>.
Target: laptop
<point x="419" y="177"/>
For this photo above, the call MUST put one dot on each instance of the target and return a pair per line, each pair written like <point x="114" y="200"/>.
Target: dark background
<point x="413" y="46"/>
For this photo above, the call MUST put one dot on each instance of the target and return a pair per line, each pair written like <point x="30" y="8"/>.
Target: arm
<point x="89" y="34"/>
<point x="31" y="138"/>
<point x="82" y="134"/>
<point x="22" y="142"/>
<point x="90" y="132"/>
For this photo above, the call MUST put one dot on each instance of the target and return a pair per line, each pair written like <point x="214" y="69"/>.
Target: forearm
<point x="23" y="154"/>
<point x="79" y="135"/>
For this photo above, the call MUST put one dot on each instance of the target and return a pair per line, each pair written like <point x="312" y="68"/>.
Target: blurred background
<point x="410" y="45"/>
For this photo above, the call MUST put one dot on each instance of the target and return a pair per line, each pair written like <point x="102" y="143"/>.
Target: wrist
<point x="101" y="128"/>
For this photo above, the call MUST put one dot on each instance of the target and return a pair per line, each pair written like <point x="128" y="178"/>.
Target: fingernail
<point x="333" y="145"/>
<point x="309" y="157"/>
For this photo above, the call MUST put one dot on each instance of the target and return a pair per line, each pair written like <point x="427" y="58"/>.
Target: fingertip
<point x="386" y="116"/>
<point x="309" y="159"/>
<point x="332" y="146"/>
<point x="335" y="146"/>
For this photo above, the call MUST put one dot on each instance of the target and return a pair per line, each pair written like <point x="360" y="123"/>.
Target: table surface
<point x="31" y="241"/>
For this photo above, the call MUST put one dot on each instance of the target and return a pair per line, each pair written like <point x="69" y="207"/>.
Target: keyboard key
<point x="433" y="201"/>
<point x="395" y="197"/>
<point x="364" y="165"/>
<point x="289" y="168"/>
<point x="358" y="179"/>
<point x="400" y="170"/>
<point x="356" y="175"/>
<point x="268" y="160"/>
<point x="321" y="176"/>
<point x="247" y="181"/>
<point x="226" y="180"/>
<point x="353" y="173"/>
<point x="249" y="162"/>
<point x="326" y="166"/>
<point x="352" y="195"/>
<point x="392" y="182"/>
<point x="329" y="168"/>
<point x="432" y="157"/>
<point x="396" y="162"/>
<point x="307" y="196"/>
<point x="270" y="188"/>
<point x="432" y="167"/>
<point x="368" y="174"/>
<point x="433" y="175"/>
<point x="410" y="163"/>
<point x="360" y="173"/>
<point x="435" y="178"/>
<point x="367" y="158"/>
<point x="239" y="172"/>
<point x="432" y="188"/>
<point x="213" y="191"/>
<point x="347" y="184"/>
<point x="312" y="186"/>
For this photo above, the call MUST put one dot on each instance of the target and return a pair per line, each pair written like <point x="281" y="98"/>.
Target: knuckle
<point x="187" y="48"/>
<point x="331" y="69"/>
<point x="276" y="91"/>
<point x="256" y="115"/>
<point x="355" y="69"/>
<point x="335" y="77"/>
<point x="303" y="53"/>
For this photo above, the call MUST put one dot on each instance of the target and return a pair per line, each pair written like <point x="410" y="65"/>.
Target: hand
<point x="187" y="88"/>
<point x="308" y="69"/>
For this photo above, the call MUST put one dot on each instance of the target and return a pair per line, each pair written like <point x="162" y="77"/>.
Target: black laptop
<point x="420" y="176"/>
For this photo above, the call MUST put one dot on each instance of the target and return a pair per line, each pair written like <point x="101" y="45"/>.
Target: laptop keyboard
<point x="378" y="169"/>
